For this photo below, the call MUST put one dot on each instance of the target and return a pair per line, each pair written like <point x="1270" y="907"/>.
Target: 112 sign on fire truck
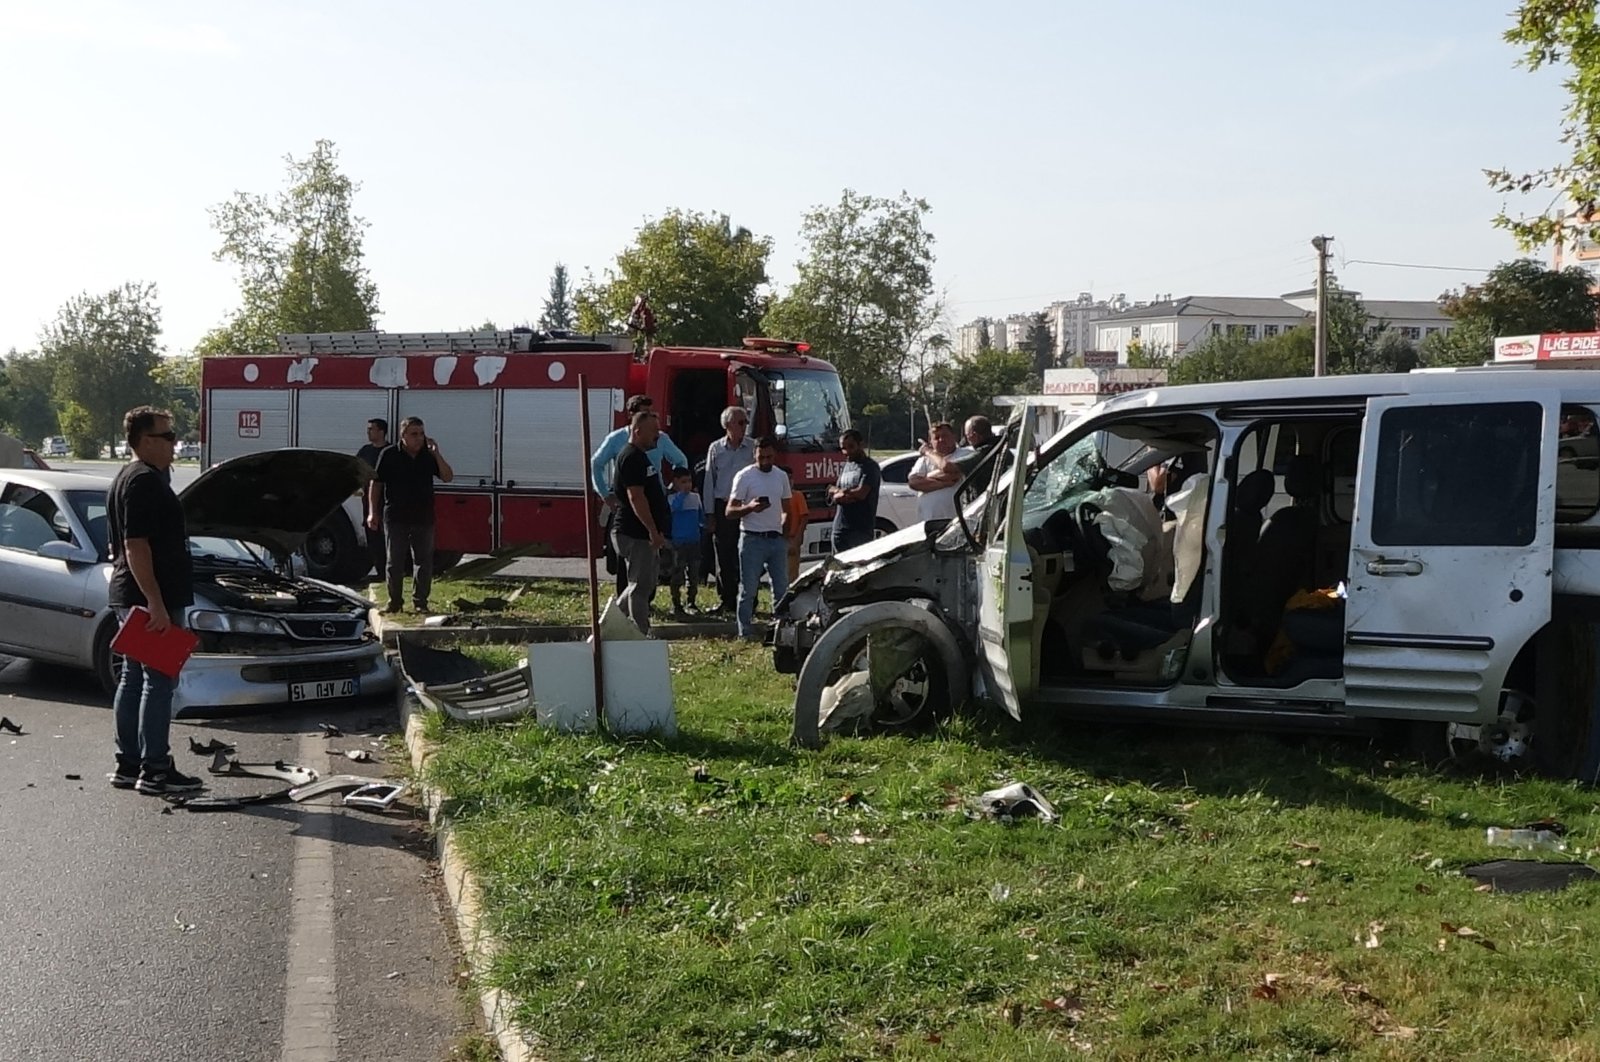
<point x="504" y="406"/>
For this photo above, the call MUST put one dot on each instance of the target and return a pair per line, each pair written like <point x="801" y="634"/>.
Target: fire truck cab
<point x="504" y="408"/>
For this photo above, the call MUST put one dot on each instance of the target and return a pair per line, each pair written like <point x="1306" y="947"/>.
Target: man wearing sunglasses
<point x="149" y="567"/>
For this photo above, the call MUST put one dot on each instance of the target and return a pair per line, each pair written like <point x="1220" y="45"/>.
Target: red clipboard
<point x="166" y="651"/>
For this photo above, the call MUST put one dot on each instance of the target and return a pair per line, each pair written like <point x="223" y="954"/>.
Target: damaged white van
<point x="1308" y="552"/>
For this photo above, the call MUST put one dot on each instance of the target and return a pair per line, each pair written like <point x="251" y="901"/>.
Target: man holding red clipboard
<point x="150" y="570"/>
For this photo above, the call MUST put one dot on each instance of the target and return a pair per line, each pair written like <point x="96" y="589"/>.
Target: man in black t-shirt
<point x="855" y="495"/>
<point x="643" y="516"/>
<point x="400" y="501"/>
<point x="150" y="568"/>
<point x="377" y="442"/>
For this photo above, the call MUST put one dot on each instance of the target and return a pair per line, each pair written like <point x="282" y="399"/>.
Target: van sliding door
<point x="1451" y="550"/>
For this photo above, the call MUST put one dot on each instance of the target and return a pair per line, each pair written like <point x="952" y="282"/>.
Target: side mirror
<point x="66" y="551"/>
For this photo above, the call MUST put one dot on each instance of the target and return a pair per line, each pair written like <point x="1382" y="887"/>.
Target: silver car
<point x="265" y="637"/>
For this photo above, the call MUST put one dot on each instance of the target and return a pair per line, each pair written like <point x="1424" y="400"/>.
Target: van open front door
<point x="1451" y="550"/>
<point x="1005" y="606"/>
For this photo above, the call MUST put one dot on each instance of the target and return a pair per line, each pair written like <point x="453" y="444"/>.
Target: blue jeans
<point x="757" y="554"/>
<point x="142" y="707"/>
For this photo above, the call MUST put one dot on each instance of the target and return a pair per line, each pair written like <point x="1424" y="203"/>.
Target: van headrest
<point x="1303" y="479"/>
<point x="1254" y="491"/>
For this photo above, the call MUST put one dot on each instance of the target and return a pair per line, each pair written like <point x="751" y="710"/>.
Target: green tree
<point x="976" y="381"/>
<point x="865" y="297"/>
<point x="299" y="258"/>
<point x="1517" y="298"/>
<point x="105" y="348"/>
<point x="1142" y="356"/>
<point x="1560" y="33"/>
<point x="1234" y="357"/>
<point x="1041" y="344"/>
<point x="702" y="276"/>
<point x="179" y="378"/>
<point x="27" y="404"/>
<point x="558" y="311"/>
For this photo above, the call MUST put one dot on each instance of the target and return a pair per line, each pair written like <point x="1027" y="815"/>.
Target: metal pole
<point x="590" y="517"/>
<point x="1320" y="362"/>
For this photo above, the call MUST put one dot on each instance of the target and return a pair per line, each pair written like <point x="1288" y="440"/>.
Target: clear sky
<point x="1145" y="147"/>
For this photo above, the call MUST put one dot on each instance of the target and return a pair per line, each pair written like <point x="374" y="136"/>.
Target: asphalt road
<point x="281" y="932"/>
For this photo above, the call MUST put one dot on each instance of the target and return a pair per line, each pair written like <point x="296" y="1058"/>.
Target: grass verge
<point x="1204" y="896"/>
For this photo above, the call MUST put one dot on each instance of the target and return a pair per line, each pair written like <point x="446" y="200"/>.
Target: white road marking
<point x="309" y="1031"/>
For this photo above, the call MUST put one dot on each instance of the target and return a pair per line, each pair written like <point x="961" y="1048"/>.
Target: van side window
<point x="1577" y="466"/>
<point x="1458" y="475"/>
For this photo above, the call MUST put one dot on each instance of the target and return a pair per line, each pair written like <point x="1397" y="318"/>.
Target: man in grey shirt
<point x="724" y="459"/>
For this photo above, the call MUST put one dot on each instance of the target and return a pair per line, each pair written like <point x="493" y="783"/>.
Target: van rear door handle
<point x="1394" y="567"/>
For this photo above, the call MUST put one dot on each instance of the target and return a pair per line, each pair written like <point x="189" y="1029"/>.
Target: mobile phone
<point x="765" y="500"/>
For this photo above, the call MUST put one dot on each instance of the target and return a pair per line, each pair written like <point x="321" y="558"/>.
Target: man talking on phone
<point x="400" y="500"/>
<point x="758" y="498"/>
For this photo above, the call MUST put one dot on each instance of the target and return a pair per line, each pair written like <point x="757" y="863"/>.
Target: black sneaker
<point x="167" y="780"/>
<point x="126" y="776"/>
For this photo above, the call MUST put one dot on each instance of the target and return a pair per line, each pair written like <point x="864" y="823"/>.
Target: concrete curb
<point x="466" y="900"/>
<point x="390" y="632"/>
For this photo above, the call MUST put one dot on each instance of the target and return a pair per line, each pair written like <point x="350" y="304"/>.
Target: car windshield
<point x="809" y="407"/>
<point x="90" y="505"/>
<point x="225" y="550"/>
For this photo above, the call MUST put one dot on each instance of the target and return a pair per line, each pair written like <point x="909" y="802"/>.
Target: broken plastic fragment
<point x="1015" y="801"/>
<point x="9" y="727"/>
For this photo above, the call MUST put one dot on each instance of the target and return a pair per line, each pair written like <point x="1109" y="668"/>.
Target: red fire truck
<point x="504" y="409"/>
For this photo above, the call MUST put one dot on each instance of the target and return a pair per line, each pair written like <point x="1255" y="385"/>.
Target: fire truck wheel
<point x="332" y="552"/>
<point x="444" y="560"/>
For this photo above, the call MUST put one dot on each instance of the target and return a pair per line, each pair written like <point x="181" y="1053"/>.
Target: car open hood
<point x="271" y="499"/>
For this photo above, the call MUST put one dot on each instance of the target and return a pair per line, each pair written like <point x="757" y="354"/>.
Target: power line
<point x="1417" y="265"/>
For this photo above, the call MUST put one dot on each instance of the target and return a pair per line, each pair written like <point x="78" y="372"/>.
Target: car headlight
<point x="233" y="623"/>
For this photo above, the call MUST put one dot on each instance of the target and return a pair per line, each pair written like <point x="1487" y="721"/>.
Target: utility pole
<point x="1320" y="364"/>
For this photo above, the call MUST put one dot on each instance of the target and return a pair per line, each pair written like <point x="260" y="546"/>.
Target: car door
<point x="1005" y="591"/>
<point x="41" y="598"/>
<point x="1451" y="550"/>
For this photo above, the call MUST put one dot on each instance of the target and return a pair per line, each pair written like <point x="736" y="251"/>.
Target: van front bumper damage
<point x="881" y="634"/>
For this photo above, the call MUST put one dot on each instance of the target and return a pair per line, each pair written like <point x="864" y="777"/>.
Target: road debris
<point x="1528" y="875"/>
<point x="329" y="730"/>
<point x="210" y="748"/>
<point x="1017" y="800"/>
<point x="8" y="726"/>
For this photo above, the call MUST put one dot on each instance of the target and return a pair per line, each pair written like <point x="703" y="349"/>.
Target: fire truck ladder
<point x="396" y="342"/>
<point x="454" y="342"/>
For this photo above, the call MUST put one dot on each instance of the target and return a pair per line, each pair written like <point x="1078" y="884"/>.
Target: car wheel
<point x="107" y="665"/>
<point x="884" y="527"/>
<point x="833" y="692"/>
<point x="332" y="552"/>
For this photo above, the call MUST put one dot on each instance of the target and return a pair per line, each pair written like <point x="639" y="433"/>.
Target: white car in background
<point x="897" y="502"/>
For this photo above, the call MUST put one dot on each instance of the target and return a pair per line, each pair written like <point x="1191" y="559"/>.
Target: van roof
<point x="1489" y="378"/>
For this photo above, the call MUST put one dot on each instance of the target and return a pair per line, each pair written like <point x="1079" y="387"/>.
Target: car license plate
<point x="323" y="691"/>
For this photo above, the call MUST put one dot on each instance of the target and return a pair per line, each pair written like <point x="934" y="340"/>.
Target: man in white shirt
<point x="757" y="500"/>
<point x="935" y="475"/>
<point x="726" y="458"/>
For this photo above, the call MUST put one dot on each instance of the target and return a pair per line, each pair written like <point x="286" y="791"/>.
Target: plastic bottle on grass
<point x="1532" y="840"/>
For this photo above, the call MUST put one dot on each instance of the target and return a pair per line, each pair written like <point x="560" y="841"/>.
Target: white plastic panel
<point x="541" y="435"/>
<point x="336" y="419"/>
<point x="245" y="421"/>
<point x="462" y="422"/>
